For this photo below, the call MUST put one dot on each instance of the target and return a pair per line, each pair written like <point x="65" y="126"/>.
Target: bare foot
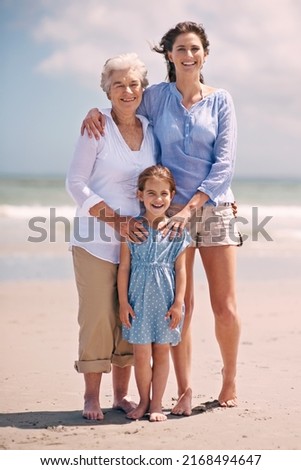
<point x="92" y="409"/>
<point x="227" y="397"/>
<point x="183" y="405"/>
<point x="157" y="415"/>
<point x="125" y="404"/>
<point x="139" y="411"/>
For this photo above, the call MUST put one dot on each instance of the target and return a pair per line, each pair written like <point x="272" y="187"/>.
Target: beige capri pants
<point x="100" y="338"/>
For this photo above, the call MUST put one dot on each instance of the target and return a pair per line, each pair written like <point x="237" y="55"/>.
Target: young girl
<point x="151" y="288"/>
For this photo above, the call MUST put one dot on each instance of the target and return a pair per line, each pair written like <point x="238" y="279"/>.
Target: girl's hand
<point x="175" y="315"/>
<point x="94" y="123"/>
<point x="125" y="312"/>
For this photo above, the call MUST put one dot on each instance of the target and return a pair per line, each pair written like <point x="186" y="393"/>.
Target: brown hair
<point x="156" y="171"/>
<point x="168" y="40"/>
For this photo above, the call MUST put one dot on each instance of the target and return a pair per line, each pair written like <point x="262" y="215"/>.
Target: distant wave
<point x="28" y="211"/>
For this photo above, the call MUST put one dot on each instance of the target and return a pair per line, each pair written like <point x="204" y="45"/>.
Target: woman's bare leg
<point x="92" y="408"/>
<point x="220" y="266"/>
<point x="182" y="353"/>
<point x="143" y="375"/>
<point x="160" y="353"/>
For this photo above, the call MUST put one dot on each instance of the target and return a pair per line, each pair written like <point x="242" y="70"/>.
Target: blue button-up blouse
<point x="198" y="145"/>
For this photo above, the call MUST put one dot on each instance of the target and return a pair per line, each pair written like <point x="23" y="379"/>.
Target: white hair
<point x="129" y="61"/>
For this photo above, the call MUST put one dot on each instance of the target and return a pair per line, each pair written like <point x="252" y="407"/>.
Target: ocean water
<point x="269" y="217"/>
<point x="45" y="191"/>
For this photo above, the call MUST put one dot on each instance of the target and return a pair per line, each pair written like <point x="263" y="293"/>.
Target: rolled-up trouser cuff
<point x="85" y="367"/>
<point x="104" y="366"/>
<point x="123" y="360"/>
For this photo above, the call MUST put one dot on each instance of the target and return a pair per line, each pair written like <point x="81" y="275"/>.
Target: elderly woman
<point x="102" y="180"/>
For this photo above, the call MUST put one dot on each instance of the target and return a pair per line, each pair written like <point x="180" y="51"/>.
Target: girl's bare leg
<point x="120" y="378"/>
<point x="160" y="368"/>
<point x="220" y="266"/>
<point x="181" y="354"/>
<point x="92" y="408"/>
<point x="143" y="375"/>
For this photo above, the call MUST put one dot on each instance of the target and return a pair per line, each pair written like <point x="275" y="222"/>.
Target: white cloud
<point x="256" y="37"/>
<point x="255" y="47"/>
<point x="77" y="59"/>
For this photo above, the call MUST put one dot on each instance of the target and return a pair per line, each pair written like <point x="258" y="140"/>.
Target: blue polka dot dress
<point x="152" y="288"/>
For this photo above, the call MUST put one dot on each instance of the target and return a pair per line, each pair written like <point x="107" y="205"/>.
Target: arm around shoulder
<point x="94" y="123"/>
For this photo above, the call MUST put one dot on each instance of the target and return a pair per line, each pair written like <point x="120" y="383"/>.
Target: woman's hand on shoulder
<point x="94" y="123"/>
<point x="127" y="227"/>
<point x="133" y="230"/>
<point x="175" y="225"/>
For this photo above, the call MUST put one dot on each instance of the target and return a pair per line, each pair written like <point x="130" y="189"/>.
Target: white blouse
<point x="106" y="170"/>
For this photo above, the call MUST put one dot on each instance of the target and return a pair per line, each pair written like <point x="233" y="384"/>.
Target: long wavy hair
<point x="168" y="40"/>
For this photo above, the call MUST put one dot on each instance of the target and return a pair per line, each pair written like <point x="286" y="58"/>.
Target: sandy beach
<point x="41" y="394"/>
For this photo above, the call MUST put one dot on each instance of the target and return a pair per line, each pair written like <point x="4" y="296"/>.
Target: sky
<point x="52" y="53"/>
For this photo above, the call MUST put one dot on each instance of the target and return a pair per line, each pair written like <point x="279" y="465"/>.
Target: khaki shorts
<point x="100" y="339"/>
<point x="214" y="226"/>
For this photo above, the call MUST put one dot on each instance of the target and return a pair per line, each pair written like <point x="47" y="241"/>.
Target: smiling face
<point x="156" y="197"/>
<point x="125" y="91"/>
<point x="187" y="53"/>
